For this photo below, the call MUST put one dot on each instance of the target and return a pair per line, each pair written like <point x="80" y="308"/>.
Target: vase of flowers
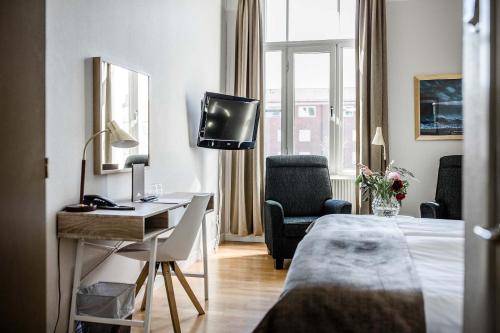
<point x="385" y="207"/>
<point x="386" y="189"/>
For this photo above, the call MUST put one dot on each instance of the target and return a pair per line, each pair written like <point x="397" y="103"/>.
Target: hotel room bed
<point x="363" y="273"/>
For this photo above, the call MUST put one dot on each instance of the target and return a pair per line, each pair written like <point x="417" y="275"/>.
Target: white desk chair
<point x="174" y="248"/>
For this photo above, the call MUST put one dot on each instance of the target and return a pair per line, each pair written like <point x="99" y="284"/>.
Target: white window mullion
<point x="333" y="109"/>
<point x="339" y="114"/>
<point x="284" y="94"/>
<point x="287" y="135"/>
<point x="289" y="100"/>
<point x="287" y="20"/>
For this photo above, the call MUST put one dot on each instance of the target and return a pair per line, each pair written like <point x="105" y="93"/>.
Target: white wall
<point x="423" y="37"/>
<point x="179" y="44"/>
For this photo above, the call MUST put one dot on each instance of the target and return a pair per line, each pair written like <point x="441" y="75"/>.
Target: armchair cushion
<point x="432" y="210"/>
<point x="332" y="206"/>
<point x="296" y="226"/>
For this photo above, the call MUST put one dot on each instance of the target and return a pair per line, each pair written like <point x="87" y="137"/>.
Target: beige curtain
<point x="241" y="187"/>
<point x="371" y="83"/>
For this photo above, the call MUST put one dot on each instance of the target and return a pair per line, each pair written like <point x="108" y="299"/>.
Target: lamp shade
<point x="378" y="138"/>
<point x="119" y="138"/>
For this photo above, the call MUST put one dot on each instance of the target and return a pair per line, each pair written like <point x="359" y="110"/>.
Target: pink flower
<point x="394" y="175"/>
<point x="366" y="171"/>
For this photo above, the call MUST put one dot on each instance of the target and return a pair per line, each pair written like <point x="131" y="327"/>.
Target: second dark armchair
<point x="448" y="201"/>
<point x="298" y="191"/>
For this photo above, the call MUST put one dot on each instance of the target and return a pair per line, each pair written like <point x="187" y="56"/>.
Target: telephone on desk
<point x="103" y="203"/>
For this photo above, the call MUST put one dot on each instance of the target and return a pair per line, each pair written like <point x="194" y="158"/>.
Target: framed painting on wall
<point x="438" y="107"/>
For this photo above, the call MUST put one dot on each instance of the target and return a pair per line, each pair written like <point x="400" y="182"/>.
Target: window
<point x="309" y="20"/>
<point x="273" y="114"/>
<point x="347" y="100"/>
<point x="305" y="136"/>
<point x="309" y="80"/>
<point x="273" y="97"/>
<point x="307" y="111"/>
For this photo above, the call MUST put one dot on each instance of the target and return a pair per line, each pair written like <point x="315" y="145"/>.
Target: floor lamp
<point x="119" y="139"/>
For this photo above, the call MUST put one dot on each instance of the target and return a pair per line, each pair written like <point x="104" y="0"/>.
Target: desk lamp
<point x="378" y="140"/>
<point x="119" y="139"/>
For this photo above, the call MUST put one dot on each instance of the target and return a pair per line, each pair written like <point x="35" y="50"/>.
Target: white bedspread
<point x="437" y="249"/>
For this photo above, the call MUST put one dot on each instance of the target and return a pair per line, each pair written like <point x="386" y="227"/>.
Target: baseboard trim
<point x="228" y="237"/>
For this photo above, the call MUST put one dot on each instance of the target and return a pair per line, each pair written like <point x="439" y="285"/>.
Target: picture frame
<point x="438" y="107"/>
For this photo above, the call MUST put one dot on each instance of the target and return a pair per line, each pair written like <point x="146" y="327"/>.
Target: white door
<point x="481" y="168"/>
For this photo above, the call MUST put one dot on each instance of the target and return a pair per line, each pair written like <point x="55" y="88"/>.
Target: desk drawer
<point x="105" y="227"/>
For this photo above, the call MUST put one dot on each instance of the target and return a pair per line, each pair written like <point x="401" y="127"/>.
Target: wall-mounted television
<point x="228" y="122"/>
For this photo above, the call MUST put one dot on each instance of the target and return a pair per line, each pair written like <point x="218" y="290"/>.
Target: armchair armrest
<point x="431" y="210"/>
<point x="274" y="218"/>
<point x="332" y="206"/>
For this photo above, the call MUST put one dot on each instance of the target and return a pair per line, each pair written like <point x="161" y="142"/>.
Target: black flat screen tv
<point x="228" y="122"/>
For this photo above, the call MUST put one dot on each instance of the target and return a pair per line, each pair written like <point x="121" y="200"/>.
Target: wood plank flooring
<point x="243" y="286"/>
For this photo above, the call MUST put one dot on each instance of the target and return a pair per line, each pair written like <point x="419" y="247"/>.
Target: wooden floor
<point x="243" y="286"/>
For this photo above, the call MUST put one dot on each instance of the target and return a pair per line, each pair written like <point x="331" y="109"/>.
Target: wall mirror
<point x="122" y="95"/>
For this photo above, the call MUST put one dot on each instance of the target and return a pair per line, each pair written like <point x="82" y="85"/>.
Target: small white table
<point x="144" y="224"/>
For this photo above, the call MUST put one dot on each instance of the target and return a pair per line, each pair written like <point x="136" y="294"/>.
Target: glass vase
<point x="385" y="207"/>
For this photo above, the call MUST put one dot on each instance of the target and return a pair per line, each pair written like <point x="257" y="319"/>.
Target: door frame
<point x="23" y="240"/>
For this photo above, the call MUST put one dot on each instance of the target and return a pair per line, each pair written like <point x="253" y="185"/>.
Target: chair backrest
<point x="300" y="183"/>
<point x="181" y="241"/>
<point x="449" y="186"/>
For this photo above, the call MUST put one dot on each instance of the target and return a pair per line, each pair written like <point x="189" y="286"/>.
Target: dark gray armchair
<point x="298" y="191"/>
<point x="448" y="202"/>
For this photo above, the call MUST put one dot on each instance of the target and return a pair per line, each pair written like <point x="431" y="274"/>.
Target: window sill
<point x="347" y="177"/>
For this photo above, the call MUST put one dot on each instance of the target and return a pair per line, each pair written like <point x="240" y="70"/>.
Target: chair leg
<point x="278" y="264"/>
<point x="187" y="288"/>
<point x="143" y="304"/>
<point x="142" y="277"/>
<point x="170" y="296"/>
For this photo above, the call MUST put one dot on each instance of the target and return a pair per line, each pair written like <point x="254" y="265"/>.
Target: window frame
<point x="339" y="112"/>
<point x="288" y="49"/>
<point x="335" y="48"/>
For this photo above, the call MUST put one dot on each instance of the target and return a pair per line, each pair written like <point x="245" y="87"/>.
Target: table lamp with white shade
<point x="378" y="140"/>
<point x="119" y="139"/>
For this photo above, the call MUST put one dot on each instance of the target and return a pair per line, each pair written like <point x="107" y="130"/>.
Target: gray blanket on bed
<point x="349" y="274"/>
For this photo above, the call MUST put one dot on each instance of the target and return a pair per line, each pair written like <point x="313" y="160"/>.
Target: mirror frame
<point x="97" y="77"/>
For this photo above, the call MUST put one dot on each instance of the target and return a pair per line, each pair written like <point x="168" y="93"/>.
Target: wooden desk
<point x="144" y="224"/>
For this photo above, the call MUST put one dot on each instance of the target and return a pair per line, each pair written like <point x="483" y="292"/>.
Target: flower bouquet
<point x="387" y="190"/>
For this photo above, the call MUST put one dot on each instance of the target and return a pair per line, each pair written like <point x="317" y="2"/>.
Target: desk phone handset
<point x="103" y="203"/>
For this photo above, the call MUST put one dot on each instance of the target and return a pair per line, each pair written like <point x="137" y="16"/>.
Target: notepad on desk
<point x="172" y="201"/>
